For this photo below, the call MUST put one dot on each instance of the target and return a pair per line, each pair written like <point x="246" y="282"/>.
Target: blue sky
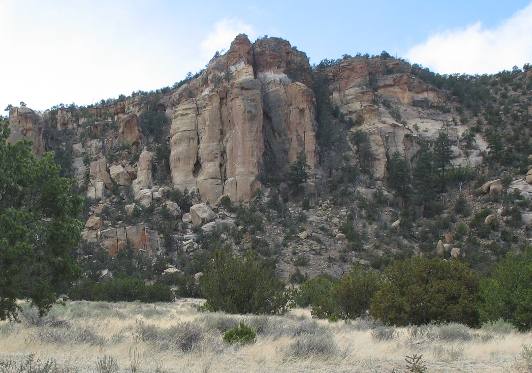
<point x="60" y="51"/>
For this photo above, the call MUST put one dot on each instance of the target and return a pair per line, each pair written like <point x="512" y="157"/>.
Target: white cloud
<point x="222" y="34"/>
<point x="476" y="49"/>
<point x="86" y="51"/>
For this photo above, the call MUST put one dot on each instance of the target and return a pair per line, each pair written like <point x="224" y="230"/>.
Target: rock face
<point x="143" y="183"/>
<point x="129" y="129"/>
<point x="243" y="107"/>
<point x="393" y="107"/>
<point x="26" y="124"/>
<point x="237" y="125"/>
<point x="138" y="237"/>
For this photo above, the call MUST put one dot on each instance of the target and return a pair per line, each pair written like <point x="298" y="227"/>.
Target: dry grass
<point x="131" y="337"/>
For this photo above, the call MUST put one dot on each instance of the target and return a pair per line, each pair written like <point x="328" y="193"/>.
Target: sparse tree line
<point x="413" y="291"/>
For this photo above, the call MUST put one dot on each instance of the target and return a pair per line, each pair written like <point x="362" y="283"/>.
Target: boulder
<point x="492" y="187"/>
<point x="187" y="218"/>
<point x="95" y="190"/>
<point x="209" y="227"/>
<point x="396" y="224"/>
<point x="455" y="252"/>
<point x="201" y="213"/>
<point x="173" y="208"/>
<point x="120" y="175"/>
<point x="93" y="223"/>
<point x="130" y="209"/>
<point x="77" y="150"/>
<point x="171" y="270"/>
<point x="440" y="248"/>
<point x="490" y="219"/>
<point x="197" y="277"/>
<point x="144" y="197"/>
<point x="303" y="235"/>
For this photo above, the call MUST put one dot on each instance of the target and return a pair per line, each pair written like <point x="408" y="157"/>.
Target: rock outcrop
<point x="235" y="126"/>
<point x="26" y="124"/>
<point x="142" y="184"/>
<point x="243" y="107"/>
<point x="129" y="129"/>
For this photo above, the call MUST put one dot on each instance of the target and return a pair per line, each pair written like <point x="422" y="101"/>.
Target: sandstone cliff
<point x="231" y="129"/>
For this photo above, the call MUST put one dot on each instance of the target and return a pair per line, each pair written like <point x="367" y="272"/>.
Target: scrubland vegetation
<point x="177" y="337"/>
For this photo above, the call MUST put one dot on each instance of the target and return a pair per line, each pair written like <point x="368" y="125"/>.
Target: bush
<point x="319" y="345"/>
<point x="242" y="334"/>
<point x="184" y="336"/>
<point x="153" y="123"/>
<point x="507" y="294"/>
<point x="316" y="293"/>
<point x="419" y="291"/>
<point x="127" y="289"/>
<point x="347" y="298"/>
<point x="242" y="285"/>
<point x="354" y="291"/>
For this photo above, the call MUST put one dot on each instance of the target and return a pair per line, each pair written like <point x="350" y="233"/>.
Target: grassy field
<point x="176" y="337"/>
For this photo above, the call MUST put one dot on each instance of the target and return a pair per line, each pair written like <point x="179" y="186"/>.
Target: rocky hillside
<point x="317" y="167"/>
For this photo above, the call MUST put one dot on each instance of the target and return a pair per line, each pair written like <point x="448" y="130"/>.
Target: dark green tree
<point x="420" y="290"/>
<point x="39" y="227"/>
<point x="298" y="174"/>
<point x="507" y="293"/>
<point x="442" y="155"/>
<point x="354" y="291"/>
<point x="153" y="124"/>
<point x="424" y="179"/>
<point x="242" y="285"/>
<point x="399" y="175"/>
<point x="317" y="293"/>
<point x="495" y="145"/>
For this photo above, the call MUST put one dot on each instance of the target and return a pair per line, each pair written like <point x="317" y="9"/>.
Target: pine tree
<point x="423" y="176"/>
<point x="298" y="174"/>
<point x="399" y="175"/>
<point x="442" y="155"/>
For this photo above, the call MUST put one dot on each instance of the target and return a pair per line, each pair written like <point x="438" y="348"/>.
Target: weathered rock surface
<point x="120" y="175"/>
<point x="201" y="214"/>
<point x="129" y="128"/>
<point x="142" y="184"/>
<point x="138" y="237"/>
<point x="26" y="124"/>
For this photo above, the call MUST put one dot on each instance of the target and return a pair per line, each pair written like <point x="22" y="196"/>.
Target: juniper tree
<point x="39" y="227"/>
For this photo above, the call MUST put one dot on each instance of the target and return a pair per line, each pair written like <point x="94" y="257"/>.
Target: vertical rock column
<point x="211" y="165"/>
<point x="244" y="141"/>
<point x="184" y="145"/>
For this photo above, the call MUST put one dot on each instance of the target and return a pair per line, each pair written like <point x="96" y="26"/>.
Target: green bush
<point x="127" y="289"/>
<point x="316" y="293"/>
<point x="507" y="294"/>
<point x="242" y="285"/>
<point x="354" y="291"/>
<point x="347" y="298"/>
<point x="153" y="124"/>
<point x="298" y="174"/>
<point x="420" y="290"/>
<point x="241" y="334"/>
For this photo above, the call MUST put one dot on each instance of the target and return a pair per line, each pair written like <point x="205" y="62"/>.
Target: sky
<point x="82" y="51"/>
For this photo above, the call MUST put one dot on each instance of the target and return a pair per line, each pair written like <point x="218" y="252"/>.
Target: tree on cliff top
<point x="38" y="227"/>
